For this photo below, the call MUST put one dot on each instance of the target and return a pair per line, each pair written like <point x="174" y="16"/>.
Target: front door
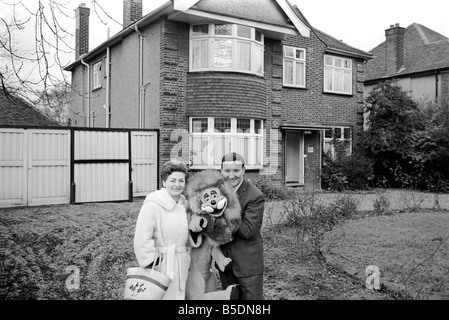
<point x="294" y="158"/>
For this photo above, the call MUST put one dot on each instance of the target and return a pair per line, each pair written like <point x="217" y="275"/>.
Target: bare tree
<point x="34" y="71"/>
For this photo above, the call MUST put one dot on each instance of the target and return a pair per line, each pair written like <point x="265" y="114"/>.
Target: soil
<point x="293" y="275"/>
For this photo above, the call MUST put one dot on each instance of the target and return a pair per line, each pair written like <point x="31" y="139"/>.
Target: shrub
<point x="272" y="192"/>
<point x="312" y="220"/>
<point x="353" y="172"/>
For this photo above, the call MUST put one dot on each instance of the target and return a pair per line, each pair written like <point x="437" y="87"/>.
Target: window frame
<point x="97" y="75"/>
<point x="334" y="73"/>
<point x="342" y="138"/>
<point x="256" y="49"/>
<point x="295" y="61"/>
<point x="233" y="136"/>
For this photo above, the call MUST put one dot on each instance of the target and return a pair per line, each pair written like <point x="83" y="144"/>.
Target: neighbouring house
<point x="251" y="76"/>
<point x="14" y="111"/>
<point x="417" y="57"/>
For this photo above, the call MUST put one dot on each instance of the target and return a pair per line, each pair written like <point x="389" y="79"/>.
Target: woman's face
<point x="175" y="184"/>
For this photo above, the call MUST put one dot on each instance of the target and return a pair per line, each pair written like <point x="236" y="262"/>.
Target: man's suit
<point x="246" y="250"/>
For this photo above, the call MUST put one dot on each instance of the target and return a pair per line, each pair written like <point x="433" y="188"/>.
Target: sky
<point x="360" y="24"/>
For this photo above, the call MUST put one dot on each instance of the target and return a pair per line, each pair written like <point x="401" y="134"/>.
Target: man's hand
<point x="197" y="223"/>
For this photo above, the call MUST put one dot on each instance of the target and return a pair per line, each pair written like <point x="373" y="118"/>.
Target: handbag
<point x="146" y="283"/>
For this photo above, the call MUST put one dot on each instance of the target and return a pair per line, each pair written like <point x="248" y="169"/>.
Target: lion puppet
<point x="217" y="207"/>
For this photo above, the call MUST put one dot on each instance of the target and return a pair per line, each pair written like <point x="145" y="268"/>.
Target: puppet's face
<point x="213" y="201"/>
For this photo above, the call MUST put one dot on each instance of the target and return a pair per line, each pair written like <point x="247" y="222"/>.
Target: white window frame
<point x="96" y="75"/>
<point x="295" y="61"/>
<point x="209" y="158"/>
<point x="336" y="74"/>
<point x="328" y="143"/>
<point x="256" y="63"/>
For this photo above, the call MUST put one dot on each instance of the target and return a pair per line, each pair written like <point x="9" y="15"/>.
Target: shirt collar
<point x="236" y="188"/>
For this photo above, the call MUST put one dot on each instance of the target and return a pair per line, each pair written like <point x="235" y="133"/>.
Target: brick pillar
<point x="132" y="11"/>
<point x="394" y="49"/>
<point x="82" y="30"/>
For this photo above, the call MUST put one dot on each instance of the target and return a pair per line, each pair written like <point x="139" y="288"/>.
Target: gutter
<point x="348" y="53"/>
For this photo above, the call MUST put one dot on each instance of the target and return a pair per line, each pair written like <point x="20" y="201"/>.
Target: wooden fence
<point x="76" y="165"/>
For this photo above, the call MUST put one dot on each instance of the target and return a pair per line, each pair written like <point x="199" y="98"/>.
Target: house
<point x="16" y="112"/>
<point x="417" y="57"/>
<point x="251" y="76"/>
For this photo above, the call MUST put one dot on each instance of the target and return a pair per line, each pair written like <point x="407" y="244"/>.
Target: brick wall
<point x="445" y="86"/>
<point x="174" y="67"/>
<point x="226" y="95"/>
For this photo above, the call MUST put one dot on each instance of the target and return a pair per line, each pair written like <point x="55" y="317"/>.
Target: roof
<point x="424" y="50"/>
<point x="332" y="44"/>
<point x="16" y="112"/>
<point x="256" y="10"/>
<point x="287" y="18"/>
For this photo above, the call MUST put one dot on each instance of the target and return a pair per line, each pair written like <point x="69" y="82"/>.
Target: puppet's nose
<point x="213" y="202"/>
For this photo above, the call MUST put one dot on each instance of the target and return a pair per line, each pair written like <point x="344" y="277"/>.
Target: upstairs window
<point x="96" y="75"/>
<point x="294" y="67"/>
<point x="335" y="138"/>
<point x="226" y="47"/>
<point x="337" y="75"/>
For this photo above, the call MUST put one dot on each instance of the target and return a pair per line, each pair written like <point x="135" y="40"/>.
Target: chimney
<point x="394" y="49"/>
<point x="132" y="11"/>
<point x="82" y="30"/>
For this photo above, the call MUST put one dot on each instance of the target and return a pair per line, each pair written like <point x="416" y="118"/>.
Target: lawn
<point x="49" y="247"/>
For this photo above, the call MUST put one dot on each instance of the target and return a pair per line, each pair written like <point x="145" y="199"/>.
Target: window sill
<point x="294" y="87"/>
<point x="338" y="94"/>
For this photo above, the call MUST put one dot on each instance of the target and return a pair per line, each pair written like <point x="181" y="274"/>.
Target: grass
<point x="44" y="245"/>
<point x="411" y="250"/>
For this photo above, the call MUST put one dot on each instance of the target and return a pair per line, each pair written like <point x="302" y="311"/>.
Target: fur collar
<point x="165" y="200"/>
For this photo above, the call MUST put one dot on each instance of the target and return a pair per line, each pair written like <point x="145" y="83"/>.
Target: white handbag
<point x="146" y="283"/>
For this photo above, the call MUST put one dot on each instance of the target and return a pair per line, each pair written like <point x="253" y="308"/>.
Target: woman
<point x="162" y="228"/>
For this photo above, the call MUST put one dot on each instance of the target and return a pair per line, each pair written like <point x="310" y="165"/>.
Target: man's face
<point x="233" y="172"/>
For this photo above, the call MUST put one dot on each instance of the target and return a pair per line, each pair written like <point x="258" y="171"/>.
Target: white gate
<point x="101" y="166"/>
<point x="76" y="165"/>
<point x="34" y="167"/>
<point x="144" y="162"/>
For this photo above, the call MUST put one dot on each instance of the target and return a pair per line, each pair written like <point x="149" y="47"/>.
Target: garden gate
<point x="34" y="166"/>
<point x="61" y="165"/>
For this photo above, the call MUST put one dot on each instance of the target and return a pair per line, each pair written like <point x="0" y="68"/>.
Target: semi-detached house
<point x="251" y="76"/>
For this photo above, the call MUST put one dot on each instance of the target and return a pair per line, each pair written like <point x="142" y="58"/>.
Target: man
<point x="246" y="250"/>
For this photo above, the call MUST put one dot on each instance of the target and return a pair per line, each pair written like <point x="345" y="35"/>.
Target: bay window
<point x="211" y="138"/>
<point x="226" y="47"/>
<point x="337" y="75"/>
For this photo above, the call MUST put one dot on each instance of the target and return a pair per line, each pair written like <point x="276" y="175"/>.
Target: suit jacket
<point x="246" y="250"/>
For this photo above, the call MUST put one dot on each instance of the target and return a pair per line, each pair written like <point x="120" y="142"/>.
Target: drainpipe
<point x="88" y="93"/>
<point x="107" y="106"/>
<point x="141" y="112"/>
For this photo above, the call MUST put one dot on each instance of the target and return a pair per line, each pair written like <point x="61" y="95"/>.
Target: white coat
<point x="162" y="225"/>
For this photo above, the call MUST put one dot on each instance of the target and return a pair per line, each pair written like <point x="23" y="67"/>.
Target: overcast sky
<point x="360" y="24"/>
